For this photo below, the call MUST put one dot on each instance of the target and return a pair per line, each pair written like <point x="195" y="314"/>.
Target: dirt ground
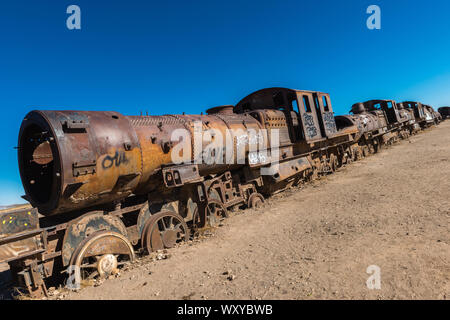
<point x="391" y="210"/>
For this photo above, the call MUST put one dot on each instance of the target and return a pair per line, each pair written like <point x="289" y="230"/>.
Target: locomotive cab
<point x="389" y="107"/>
<point x="444" y="112"/>
<point x="419" y="110"/>
<point x="308" y="114"/>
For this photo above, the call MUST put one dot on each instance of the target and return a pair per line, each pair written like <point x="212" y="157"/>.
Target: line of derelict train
<point x="103" y="186"/>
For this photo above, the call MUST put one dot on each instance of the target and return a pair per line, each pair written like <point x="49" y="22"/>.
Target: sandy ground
<point x="391" y="210"/>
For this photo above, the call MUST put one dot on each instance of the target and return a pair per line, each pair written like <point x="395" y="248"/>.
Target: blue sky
<point x="175" y="56"/>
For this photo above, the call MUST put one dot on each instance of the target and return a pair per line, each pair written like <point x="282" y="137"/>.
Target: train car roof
<point x="378" y="100"/>
<point x="253" y="97"/>
<point x="410" y="101"/>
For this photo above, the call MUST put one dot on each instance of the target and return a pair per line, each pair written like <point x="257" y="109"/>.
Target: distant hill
<point x="14" y="207"/>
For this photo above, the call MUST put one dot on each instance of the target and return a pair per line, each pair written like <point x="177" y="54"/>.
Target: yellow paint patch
<point x="29" y="213"/>
<point x="25" y="224"/>
<point x="4" y="221"/>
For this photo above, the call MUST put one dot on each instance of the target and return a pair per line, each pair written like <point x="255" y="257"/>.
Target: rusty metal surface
<point x="22" y="245"/>
<point x="20" y="235"/>
<point x="17" y="221"/>
<point x="92" y="152"/>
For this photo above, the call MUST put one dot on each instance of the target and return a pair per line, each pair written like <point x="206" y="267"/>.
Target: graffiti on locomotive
<point x="214" y="146"/>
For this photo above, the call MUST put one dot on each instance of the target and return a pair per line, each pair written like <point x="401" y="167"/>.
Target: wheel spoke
<point x="165" y="223"/>
<point x="160" y="225"/>
<point x="177" y="227"/>
<point x="93" y="275"/>
<point x="91" y="265"/>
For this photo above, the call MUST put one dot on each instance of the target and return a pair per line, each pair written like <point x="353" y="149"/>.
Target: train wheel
<point x="314" y="174"/>
<point x="255" y="200"/>
<point x="215" y="213"/>
<point x="100" y="255"/>
<point x="214" y="194"/>
<point x="341" y="160"/>
<point x="163" y="231"/>
<point x="354" y="155"/>
<point x="365" y="151"/>
<point x="350" y="156"/>
<point x="358" y="154"/>
<point x="334" y="163"/>
<point x="380" y="144"/>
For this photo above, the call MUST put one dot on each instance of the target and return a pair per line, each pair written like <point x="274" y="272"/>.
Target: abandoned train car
<point x="444" y="112"/>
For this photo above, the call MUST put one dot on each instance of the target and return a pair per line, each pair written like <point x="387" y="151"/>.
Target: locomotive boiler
<point x="72" y="160"/>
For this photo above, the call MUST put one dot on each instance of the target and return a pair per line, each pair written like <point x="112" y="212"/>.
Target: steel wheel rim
<point x="164" y="231"/>
<point x="256" y="200"/>
<point x="215" y="213"/>
<point x="101" y="266"/>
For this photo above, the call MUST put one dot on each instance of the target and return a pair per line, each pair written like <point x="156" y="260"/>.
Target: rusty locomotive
<point x="444" y="112"/>
<point x="103" y="186"/>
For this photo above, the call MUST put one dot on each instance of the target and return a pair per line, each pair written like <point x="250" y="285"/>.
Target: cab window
<point x="325" y="104"/>
<point x="294" y="105"/>
<point x="306" y="103"/>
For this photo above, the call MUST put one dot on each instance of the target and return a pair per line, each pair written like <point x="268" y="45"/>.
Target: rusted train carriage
<point x="424" y="114"/>
<point x="106" y="185"/>
<point x="444" y="112"/>
<point x="380" y="122"/>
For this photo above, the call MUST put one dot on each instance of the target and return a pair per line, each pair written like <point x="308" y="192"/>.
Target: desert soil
<point x="391" y="210"/>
